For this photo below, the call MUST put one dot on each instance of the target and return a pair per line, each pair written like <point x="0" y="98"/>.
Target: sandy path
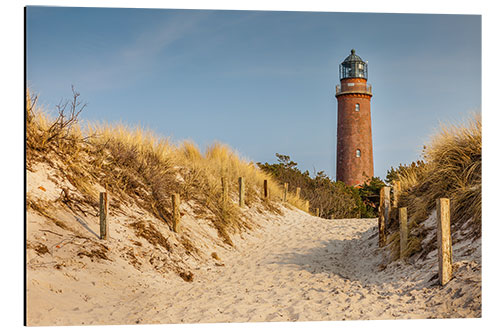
<point x="295" y="268"/>
<point x="293" y="272"/>
<point x="302" y="268"/>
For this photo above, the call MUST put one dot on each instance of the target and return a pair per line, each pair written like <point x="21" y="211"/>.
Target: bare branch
<point x="66" y="119"/>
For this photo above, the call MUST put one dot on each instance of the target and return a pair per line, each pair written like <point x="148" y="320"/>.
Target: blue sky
<point x="262" y="82"/>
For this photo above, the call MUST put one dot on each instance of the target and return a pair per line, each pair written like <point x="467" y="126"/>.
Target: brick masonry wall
<point x="354" y="132"/>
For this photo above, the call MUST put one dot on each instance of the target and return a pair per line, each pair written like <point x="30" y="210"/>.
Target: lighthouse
<point x="354" y="129"/>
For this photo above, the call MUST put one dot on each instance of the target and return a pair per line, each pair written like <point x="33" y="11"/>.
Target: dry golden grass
<point x="455" y="157"/>
<point x="136" y="166"/>
<point x="452" y="170"/>
<point x="295" y="201"/>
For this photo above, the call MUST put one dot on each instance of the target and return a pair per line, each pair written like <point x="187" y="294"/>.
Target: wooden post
<point x="317" y="211"/>
<point x="176" y="201"/>
<point x="387" y="203"/>
<point x="266" y="190"/>
<point x="103" y="215"/>
<point x="444" y="240"/>
<point x="396" y="190"/>
<point x="385" y="196"/>
<point x="403" y="230"/>
<point x="297" y="192"/>
<point x="307" y="206"/>
<point x="225" y="192"/>
<point x="285" y="191"/>
<point x="241" y="183"/>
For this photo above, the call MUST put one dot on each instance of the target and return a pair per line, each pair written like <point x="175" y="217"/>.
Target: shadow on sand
<point x="357" y="259"/>
<point x="84" y="224"/>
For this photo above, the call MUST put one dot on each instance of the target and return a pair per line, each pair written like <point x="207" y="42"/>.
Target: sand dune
<point x="293" y="267"/>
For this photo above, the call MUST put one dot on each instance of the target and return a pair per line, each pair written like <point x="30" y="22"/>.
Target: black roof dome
<point x="353" y="57"/>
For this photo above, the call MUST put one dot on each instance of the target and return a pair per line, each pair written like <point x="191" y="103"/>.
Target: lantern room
<point x="353" y="67"/>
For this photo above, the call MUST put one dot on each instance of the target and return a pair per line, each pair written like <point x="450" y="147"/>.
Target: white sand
<point x="292" y="268"/>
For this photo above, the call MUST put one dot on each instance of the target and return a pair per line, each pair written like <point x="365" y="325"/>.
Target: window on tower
<point x="356" y="107"/>
<point x="358" y="153"/>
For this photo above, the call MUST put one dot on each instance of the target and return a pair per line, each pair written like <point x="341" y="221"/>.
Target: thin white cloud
<point x="157" y="38"/>
<point x="135" y="59"/>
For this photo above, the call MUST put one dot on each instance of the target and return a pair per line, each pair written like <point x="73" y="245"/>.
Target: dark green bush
<point x="333" y="199"/>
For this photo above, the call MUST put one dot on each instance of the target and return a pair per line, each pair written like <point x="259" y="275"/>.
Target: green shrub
<point x="333" y="199"/>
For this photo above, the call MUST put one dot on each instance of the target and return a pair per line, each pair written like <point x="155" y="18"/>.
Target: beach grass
<point x="138" y="166"/>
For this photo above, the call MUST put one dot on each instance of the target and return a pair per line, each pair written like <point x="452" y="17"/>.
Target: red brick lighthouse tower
<point x="354" y="129"/>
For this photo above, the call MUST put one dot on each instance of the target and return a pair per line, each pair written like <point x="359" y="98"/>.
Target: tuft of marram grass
<point x="452" y="170"/>
<point x="295" y="201"/>
<point x="455" y="157"/>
